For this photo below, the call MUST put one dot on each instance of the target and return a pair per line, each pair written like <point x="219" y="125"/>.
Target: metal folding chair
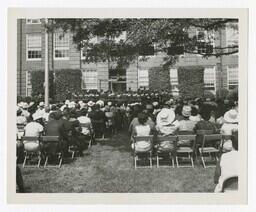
<point x="166" y="148"/>
<point x="199" y="139"/>
<point x="31" y="149"/>
<point x="51" y="146"/>
<point x="211" y="147"/>
<point x="146" y="153"/>
<point x="185" y="146"/>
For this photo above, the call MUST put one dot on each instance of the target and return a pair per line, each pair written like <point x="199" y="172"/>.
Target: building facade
<point x="221" y="72"/>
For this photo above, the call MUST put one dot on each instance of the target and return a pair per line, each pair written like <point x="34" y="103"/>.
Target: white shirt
<point x="33" y="129"/>
<point x="142" y="130"/>
<point x="228" y="128"/>
<point x="85" y="120"/>
<point x="229" y="168"/>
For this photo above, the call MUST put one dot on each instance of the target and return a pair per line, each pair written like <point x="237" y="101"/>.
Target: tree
<point x="145" y="36"/>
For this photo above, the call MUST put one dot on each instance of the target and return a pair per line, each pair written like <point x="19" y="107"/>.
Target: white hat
<point x="165" y="116"/>
<point x="155" y="104"/>
<point x="231" y="116"/>
<point x="100" y="102"/>
<point x="91" y="103"/>
<point x="80" y="102"/>
<point x="72" y="104"/>
<point x="36" y="116"/>
<point x="67" y="102"/>
<point x="186" y="111"/>
<point x="41" y="104"/>
<point x="109" y="103"/>
<point x="25" y="105"/>
<point x="31" y="104"/>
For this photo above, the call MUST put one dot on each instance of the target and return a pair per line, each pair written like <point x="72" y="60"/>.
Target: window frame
<point x="215" y="81"/>
<point x="203" y="41"/>
<point x="228" y="76"/>
<point x="140" y="86"/>
<point x="60" y="48"/>
<point x="87" y="70"/>
<point x="28" y="82"/>
<point x="34" y="49"/>
<point x="31" y="23"/>
<point x="174" y="82"/>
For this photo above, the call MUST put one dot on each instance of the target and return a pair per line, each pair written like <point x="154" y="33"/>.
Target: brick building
<point x="219" y="72"/>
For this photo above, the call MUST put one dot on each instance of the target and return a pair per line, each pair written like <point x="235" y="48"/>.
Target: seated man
<point x="54" y="127"/>
<point x="227" y="166"/>
<point x="185" y="124"/>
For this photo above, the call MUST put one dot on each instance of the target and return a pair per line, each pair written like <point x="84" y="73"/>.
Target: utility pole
<point x="46" y="70"/>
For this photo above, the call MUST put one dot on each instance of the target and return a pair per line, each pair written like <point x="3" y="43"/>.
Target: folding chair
<point x="211" y="145"/>
<point x="166" y="148"/>
<point x="140" y="152"/>
<point x="51" y="146"/>
<point x="199" y="139"/>
<point x="31" y="149"/>
<point x="185" y="145"/>
<point x="91" y="134"/>
<point x="230" y="184"/>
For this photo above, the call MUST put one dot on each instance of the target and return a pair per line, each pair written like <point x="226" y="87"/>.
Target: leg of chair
<point x="157" y="160"/>
<point x="135" y="164"/>
<point x="24" y="162"/>
<point x="150" y="159"/>
<point x="177" y="161"/>
<point x="202" y="158"/>
<point x="39" y="159"/>
<point x="60" y="163"/>
<point x="192" y="161"/>
<point x="46" y="160"/>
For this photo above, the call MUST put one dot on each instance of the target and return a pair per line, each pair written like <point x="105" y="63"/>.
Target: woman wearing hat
<point x="166" y="123"/>
<point x="230" y="125"/>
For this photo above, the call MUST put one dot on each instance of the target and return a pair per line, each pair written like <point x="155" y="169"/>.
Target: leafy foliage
<point x="191" y="83"/>
<point x="37" y="81"/>
<point x="165" y="35"/>
<point x="67" y="81"/>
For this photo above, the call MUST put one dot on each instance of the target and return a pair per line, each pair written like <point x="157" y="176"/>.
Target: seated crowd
<point x="77" y="122"/>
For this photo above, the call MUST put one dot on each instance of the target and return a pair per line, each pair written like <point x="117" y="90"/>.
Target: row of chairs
<point x="182" y="146"/>
<point x="48" y="146"/>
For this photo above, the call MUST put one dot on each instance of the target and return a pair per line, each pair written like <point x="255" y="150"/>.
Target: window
<point x="28" y="83"/>
<point x="90" y="79"/>
<point x="34" y="46"/>
<point x="205" y="42"/>
<point x="232" y="74"/>
<point x="232" y="38"/>
<point x="61" y="46"/>
<point x="33" y="21"/>
<point x="174" y="81"/>
<point x="210" y="79"/>
<point x="143" y="80"/>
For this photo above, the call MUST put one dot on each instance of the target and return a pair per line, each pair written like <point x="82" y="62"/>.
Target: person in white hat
<point x="25" y="112"/>
<point x="40" y="109"/>
<point x="166" y="123"/>
<point x="90" y="103"/>
<point x="230" y="125"/>
<point x="185" y="124"/>
<point x="34" y="128"/>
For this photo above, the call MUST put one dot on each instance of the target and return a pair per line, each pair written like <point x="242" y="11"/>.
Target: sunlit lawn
<point x="108" y="167"/>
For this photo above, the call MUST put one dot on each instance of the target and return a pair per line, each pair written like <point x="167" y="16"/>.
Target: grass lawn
<point x="108" y="167"/>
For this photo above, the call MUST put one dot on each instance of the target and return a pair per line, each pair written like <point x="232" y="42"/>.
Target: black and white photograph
<point x="128" y="105"/>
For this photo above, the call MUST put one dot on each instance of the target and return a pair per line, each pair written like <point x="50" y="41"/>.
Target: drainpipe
<point x="20" y="38"/>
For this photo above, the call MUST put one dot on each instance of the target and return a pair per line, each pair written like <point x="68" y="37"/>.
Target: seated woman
<point x="141" y="129"/>
<point x="230" y="125"/>
<point x="166" y="124"/>
<point x="86" y="125"/>
<point x="227" y="166"/>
